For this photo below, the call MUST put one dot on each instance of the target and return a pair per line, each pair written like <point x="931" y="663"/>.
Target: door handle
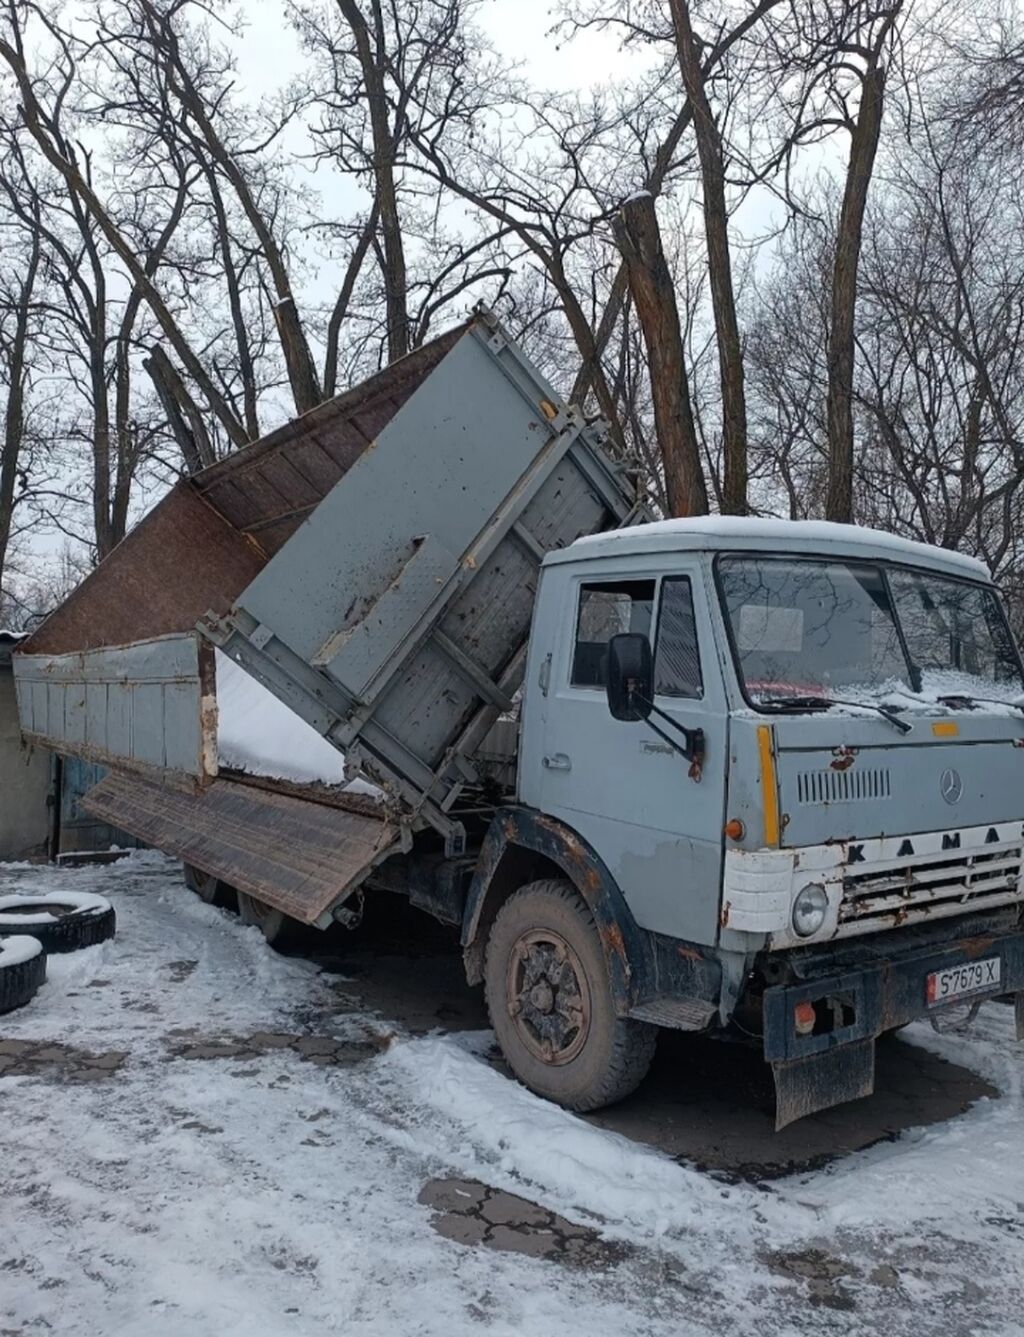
<point x="558" y="761"/>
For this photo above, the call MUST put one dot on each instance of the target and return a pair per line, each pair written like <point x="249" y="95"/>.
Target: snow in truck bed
<point x="260" y="735"/>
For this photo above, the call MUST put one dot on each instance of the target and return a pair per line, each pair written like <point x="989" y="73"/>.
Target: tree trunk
<point x="344" y="298"/>
<point x="663" y="161"/>
<point x="14" y="416"/>
<point x="650" y="285"/>
<point x="184" y="418"/>
<point x="246" y="370"/>
<point x="863" y="146"/>
<point x="386" y="195"/>
<point x="723" y="300"/>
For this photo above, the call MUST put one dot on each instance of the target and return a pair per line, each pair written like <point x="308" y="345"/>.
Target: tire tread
<point x="75" y="931"/>
<point x="19" y="983"/>
<point x="633" y="1042"/>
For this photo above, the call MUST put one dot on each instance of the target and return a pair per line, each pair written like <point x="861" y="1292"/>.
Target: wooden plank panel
<point x="255" y="484"/>
<point x="299" y="856"/>
<point x="180" y="561"/>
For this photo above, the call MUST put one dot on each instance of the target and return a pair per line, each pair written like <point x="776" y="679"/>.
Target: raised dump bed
<point x="372" y="567"/>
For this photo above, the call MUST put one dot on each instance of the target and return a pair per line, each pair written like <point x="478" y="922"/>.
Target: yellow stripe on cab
<point x="769" y="787"/>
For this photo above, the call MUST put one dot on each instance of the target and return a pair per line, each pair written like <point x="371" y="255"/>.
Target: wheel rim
<point x="259" y="910"/>
<point x="205" y="886"/>
<point x="548" y="996"/>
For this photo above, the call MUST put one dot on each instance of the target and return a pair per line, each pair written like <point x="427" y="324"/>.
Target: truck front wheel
<point x="551" y="1005"/>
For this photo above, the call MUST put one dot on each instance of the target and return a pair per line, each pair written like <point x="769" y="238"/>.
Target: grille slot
<point x="942" y="884"/>
<point x="849" y="786"/>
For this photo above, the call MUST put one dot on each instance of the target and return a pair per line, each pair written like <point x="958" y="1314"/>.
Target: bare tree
<point x="839" y="53"/>
<point x="17" y="297"/>
<point x="383" y="76"/>
<point x="42" y="105"/>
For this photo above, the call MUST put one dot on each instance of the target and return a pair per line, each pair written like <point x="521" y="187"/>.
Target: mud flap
<point x="805" y="1085"/>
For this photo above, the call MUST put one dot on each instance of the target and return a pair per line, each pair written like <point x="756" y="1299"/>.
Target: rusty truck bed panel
<point x="297" y="856"/>
<point x="182" y="560"/>
<point x="212" y="534"/>
<point x="269" y="488"/>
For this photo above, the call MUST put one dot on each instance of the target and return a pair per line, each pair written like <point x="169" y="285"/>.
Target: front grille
<point x="850" y="785"/>
<point x="945" y="884"/>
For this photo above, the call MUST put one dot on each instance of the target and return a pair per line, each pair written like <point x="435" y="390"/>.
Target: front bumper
<point x="818" y="1070"/>
<point x="874" y="885"/>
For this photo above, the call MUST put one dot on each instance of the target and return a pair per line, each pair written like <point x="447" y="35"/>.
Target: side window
<point x="606" y="609"/>
<point x="676" y="661"/>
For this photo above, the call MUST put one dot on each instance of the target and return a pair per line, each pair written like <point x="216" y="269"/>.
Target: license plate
<point x="945" y="986"/>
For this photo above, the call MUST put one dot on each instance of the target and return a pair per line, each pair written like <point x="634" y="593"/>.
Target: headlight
<point x="809" y="910"/>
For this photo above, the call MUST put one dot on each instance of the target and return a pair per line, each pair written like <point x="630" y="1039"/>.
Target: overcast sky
<point x="520" y="29"/>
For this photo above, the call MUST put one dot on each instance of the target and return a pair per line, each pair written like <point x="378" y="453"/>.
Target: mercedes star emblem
<point x="950" y="785"/>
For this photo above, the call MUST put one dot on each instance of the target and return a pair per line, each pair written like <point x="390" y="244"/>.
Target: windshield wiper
<point x="955" y="699"/>
<point x="782" y="703"/>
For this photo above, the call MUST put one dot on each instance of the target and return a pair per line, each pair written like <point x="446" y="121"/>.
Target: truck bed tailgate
<point x="296" y="855"/>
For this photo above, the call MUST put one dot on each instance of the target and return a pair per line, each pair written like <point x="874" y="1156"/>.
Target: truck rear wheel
<point x="551" y="1005"/>
<point x="209" y="888"/>
<point x="280" y="930"/>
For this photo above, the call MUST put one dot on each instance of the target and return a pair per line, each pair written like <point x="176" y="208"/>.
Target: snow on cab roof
<point x="754" y="533"/>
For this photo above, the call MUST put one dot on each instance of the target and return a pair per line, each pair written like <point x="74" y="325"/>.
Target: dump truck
<point x="755" y="780"/>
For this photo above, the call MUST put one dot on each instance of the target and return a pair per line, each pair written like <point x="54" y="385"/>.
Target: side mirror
<point x="630" y="677"/>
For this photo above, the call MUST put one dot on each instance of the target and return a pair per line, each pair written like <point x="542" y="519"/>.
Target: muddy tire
<point x="209" y="888"/>
<point x="550" y="1002"/>
<point x="22" y="971"/>
<point x="280" y="930"/>
<point x="63" y="922"/>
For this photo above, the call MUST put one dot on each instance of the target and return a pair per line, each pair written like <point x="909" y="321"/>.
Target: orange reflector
<point x="803" y="1018"/>
<point x="735" y="829"/>
<point x="945" y="729"/>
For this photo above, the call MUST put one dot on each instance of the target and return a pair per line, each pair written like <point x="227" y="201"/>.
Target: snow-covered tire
<point x="22" y="970"/>
<point x="550" y="1001"/>
<point x="280" y="930"/>
<point x="63" y="922"/>
<point x="210" y="888"/>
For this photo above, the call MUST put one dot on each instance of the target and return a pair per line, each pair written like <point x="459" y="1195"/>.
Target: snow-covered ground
<point x="264" y="1194"/>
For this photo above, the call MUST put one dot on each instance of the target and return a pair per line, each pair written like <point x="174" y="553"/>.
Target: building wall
<point x="24" y="783"/>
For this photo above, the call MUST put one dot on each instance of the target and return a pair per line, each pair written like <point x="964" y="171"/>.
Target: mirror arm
<point x="693" y="739"/>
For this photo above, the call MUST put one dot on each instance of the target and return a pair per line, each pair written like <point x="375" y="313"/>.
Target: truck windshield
<point x="819" y="629"/>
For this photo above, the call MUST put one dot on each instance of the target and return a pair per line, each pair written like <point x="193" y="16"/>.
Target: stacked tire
<point x="31" y="927"/>
<point x="22" y="970"/>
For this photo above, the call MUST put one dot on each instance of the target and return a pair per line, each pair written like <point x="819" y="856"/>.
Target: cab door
<point x="624" y="788"/>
